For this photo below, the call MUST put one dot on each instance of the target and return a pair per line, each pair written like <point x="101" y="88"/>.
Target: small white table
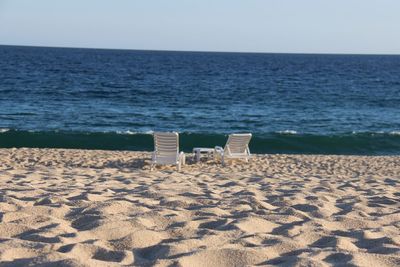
<point x="197" y="151"/>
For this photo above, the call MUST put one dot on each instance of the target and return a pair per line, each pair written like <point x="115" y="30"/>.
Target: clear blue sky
<point x="310" y="26"/>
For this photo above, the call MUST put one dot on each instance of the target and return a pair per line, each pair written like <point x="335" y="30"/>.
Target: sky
<point x="276" y="26"/>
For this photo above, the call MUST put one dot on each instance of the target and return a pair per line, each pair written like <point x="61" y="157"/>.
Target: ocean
<point x="115" y="99"/>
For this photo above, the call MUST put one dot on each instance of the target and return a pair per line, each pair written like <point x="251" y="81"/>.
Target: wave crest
<point x="288" y="142"/>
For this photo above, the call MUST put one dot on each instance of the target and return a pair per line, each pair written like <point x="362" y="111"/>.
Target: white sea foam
<point x="287" y="132"/>
<point x="133" y="132"/>
<point x="126" y="132"/>
<point x="3" y="130"/>
<point x="378" y="132"/>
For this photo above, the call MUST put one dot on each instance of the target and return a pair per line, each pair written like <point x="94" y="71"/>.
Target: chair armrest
<point x="228" y="150"/>
<point x="219" y="150"/>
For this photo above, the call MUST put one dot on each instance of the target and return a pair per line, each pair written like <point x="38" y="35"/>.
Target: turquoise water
<point x="114" y="99"/>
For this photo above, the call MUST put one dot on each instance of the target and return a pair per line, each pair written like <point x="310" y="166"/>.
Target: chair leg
<point x="183" y="159"/>
<point x="218" y="156"/>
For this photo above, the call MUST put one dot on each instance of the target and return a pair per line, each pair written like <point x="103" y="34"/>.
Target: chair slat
<point x="166" y="149"/>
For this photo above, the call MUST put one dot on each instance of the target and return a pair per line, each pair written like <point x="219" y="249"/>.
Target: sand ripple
<point x="99" y="208"/>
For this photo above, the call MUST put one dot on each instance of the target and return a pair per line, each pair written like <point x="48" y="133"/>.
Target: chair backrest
<point x="238" y="143"/>
<point x="166" y="145"/>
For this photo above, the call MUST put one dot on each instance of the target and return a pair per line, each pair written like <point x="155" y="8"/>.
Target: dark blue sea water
<point x="113" y="99"/>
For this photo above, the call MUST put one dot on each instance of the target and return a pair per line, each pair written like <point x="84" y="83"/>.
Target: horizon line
<point x="204" y="51"/>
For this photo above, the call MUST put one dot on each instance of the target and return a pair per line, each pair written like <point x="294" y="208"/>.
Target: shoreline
<point x="106" y="208"/>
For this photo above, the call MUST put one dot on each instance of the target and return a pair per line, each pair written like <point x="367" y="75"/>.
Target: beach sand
<point x="106" y="208"/>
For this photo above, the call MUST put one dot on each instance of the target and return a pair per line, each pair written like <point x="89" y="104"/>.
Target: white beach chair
<point x="166" y="150"/>
<point x="237" y="147"/>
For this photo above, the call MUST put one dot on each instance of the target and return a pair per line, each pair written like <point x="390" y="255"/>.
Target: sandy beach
<point x="106" y="208"/>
